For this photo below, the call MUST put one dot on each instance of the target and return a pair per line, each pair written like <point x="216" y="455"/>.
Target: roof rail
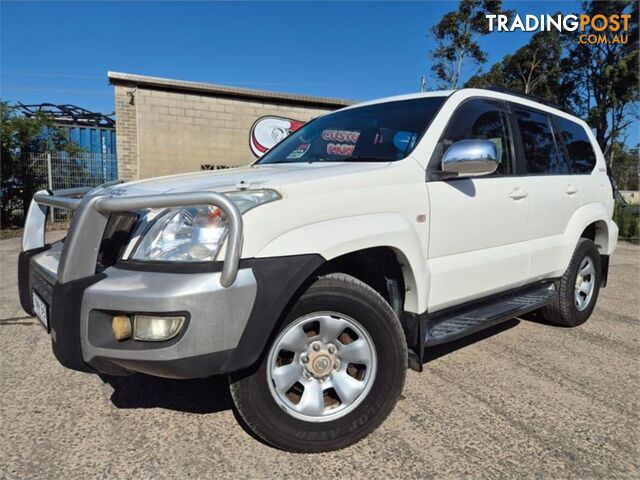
<point x="535" y="98"/>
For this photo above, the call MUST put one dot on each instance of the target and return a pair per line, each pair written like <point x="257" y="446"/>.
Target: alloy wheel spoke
<point x="295" y="340"/>
<point x="586" y="269"/>
<point x="355" y="352"/>
<point x="331" y="328"/>
<point x="286" y="376"/>
<point x="586" y="287"/>
<point x="347" y="387"/>
<point x="312" y="400"/>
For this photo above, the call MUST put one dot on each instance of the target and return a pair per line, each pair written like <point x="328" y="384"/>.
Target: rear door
<point x="582" y="161"/>
<point x="553" y="194"/>
<point x="478" y="226"/>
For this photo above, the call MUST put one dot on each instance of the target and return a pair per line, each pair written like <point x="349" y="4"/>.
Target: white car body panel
<point x="475" y="228"/>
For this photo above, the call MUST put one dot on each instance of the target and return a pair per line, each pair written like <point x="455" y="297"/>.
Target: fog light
<point x="121" y="326"/>
<point x="148" y="328"/>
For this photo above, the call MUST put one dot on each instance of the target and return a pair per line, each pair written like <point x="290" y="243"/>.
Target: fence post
<point x="50" y="182"/>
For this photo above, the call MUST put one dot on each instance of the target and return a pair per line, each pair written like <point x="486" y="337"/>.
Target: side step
<point x="457" y="322"/>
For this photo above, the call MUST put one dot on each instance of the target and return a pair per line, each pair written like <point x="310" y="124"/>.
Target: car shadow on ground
<point x="202" y="396"/>
<point x="205" y="395"/>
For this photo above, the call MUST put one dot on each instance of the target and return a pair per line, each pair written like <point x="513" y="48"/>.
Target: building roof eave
<point x="119" y="78"/>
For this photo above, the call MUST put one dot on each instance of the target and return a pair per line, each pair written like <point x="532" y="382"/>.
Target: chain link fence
<point x="55" y="171"/>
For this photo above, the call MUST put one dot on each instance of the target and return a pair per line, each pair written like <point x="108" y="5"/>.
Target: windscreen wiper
<point x="365" y="158"/>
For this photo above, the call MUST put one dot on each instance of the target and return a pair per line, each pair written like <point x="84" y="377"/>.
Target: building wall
<point x="126" y="134"/>
<point x="166" y="132"/>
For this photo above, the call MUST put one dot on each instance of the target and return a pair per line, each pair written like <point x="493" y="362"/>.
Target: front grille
<point x="116" y="235"/>
<point x="41" y="286"/>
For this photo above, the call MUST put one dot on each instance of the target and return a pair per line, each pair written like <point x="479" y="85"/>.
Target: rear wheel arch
<point x="590" y="221"/>
<point x="598" y="233"/>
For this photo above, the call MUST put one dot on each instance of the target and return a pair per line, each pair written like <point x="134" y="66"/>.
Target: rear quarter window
<point x="581" y="154"/>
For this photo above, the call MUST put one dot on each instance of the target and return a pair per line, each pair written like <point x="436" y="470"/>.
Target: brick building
<point x="170" y="126"/>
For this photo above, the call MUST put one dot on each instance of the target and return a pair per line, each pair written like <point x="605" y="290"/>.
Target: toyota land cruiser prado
<point x="315" y="276"/>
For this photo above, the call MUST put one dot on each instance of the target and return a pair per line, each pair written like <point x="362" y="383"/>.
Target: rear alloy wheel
<point x="585" y="284"/>
<point x="578" y="288"/>
<point x="331" y="375"/>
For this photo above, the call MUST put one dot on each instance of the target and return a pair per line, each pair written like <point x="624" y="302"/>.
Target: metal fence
<point x="58" y="170"/>
<point x="61" y="170"/>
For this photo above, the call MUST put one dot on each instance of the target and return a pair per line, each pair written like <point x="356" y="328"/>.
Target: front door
<point x="478" y="226"/>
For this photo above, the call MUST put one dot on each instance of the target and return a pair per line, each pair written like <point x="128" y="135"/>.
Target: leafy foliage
<point x="534" y="69"/>
<point x="605" y="76"/>
<point x="628" y="221"/>
<point x="626" y="169"/>
<point x="457" y="39"/>
<point x="20" y="136"/>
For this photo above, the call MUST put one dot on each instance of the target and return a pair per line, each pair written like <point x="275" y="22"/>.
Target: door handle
<point x="571" y="190"/>
<point x="518" y="194"/>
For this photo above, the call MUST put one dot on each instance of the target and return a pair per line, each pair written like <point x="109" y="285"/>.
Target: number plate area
<point x="40" y="308"/>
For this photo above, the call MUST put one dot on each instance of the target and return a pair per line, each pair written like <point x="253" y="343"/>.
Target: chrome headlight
<point x="194" y="234"/>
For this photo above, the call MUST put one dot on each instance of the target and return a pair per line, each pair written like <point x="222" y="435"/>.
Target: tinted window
<point x="481" y="120"/>
<point x="581" y="154"/>
<point x="383" y="132"/>
<point x="541" y="152"/>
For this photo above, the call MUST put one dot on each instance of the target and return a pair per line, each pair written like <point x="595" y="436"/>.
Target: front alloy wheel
<point x="331" y="375"/>
<point x="321" y="366"/>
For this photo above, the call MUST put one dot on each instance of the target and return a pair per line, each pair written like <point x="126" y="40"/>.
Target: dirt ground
<point x="522" y="400"/>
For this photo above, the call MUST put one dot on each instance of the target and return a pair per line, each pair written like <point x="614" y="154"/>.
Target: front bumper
<point x="81" y="312"/>
<point x="227" y="328"/>
<point x="216" y="318"/>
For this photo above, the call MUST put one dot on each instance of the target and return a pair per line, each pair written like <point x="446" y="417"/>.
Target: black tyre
<point x="332" y="373"/>
<point x="579" y="288"/>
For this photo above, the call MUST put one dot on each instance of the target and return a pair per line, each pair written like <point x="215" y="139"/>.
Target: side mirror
<point x="470" y="158"/>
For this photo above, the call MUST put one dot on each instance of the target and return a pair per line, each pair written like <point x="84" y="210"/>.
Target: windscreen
<point x="384" y="132"/>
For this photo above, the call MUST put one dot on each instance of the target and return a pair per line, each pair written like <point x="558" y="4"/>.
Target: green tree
<point x="457" y="36"/>
<point x="605" y="77"/>
<point x="534" y="69"/>
<point x="626" y="168"/>
<point x="19" y="137"/>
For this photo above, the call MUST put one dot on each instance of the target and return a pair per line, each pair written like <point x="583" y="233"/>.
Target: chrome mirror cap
<point x="470" y="158"/>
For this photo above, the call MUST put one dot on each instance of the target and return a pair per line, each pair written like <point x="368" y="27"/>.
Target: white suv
<point x="315" y="276"/>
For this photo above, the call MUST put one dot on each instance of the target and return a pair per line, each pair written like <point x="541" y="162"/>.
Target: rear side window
<point x="541" y="152"/>
<point x="481" y="120"/>
<point x="581" y="154"/>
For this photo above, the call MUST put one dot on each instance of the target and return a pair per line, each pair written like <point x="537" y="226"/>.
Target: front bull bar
<point x="82" y="244"/>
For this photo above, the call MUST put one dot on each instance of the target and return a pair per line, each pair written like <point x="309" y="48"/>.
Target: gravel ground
<point x="522" y="400"/>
